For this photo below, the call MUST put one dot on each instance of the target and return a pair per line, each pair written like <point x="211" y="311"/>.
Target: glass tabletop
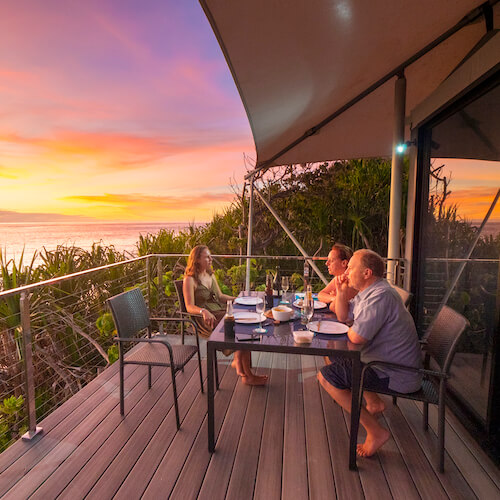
<point x="279" y="334"/>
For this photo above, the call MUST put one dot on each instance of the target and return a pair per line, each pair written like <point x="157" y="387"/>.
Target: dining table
<point x="279" y="339"/>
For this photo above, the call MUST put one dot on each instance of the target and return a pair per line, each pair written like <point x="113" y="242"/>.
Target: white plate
<point x="248" y="318"/>
<point x="247" y="301"/>
<point x="328" y="327"/>
<point x="317" y="304"/>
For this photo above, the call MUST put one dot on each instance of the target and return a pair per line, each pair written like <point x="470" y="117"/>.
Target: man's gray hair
<point x="372" y="260"/>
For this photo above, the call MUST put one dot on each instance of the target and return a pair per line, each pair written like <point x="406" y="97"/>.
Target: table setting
<point x="253" y="323"/>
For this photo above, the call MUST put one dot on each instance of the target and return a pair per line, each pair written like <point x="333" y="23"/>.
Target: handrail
<point x="59" y="279"/>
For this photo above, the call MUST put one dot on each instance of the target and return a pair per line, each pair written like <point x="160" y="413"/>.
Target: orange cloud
<point x="474" y="202"/>
<point x="133" y="201"/>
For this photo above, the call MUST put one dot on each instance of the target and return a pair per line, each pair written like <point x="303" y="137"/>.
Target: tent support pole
<point x="250" y="235"/>
<point x="291" y="236"/>
<point x="410" y="213"/>
<point x="396" y="178"/>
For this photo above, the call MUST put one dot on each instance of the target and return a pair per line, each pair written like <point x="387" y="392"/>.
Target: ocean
<point x="14" y="237"/>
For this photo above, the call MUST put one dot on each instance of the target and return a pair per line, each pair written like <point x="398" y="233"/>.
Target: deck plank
<point x="90" y="450"/>
<point x="371" y="473"/>
<point x="483" y="459"/>
<point x="396" y="473"/>
<point x="41" y="460"/>
<point x="319" y="463"/>
<point x="347" y="483"/>
<point x="158" y="397"/>
<point x="422" y="471"/>
<point x="20" y="447"/>
<point x="183" y="467"/>
<point x="295" y="483"/>
<point x="453" y="482"/>
<point x="269" y="469"/>
<point x="219" y="471"/>
<point x="92" y="433"/>
<point x="242" y="479"/>
<point x="480" y="481"/>
<point x="191" y="408"/>
<point x="161" y="415"/>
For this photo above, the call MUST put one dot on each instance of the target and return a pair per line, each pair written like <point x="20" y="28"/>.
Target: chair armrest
<point x="194" y="315"/>
<point x="182" y="320"/>
<point x="423" y="371"/>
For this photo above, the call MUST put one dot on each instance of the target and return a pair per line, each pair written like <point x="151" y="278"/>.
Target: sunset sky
<point x="123" y="110"/>
<point x="115" y="111"/>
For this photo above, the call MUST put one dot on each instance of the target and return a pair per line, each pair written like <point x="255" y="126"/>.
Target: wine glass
<point x="260" y="307"/>
<point x="285" y="286"/>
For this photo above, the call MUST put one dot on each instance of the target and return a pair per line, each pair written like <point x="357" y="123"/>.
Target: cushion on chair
<point x="155" y="353"/>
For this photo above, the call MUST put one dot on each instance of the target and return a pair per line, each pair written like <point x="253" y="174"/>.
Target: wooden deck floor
<point x="286" y="440"/>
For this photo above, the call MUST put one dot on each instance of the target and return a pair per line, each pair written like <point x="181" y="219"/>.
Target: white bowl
<point x="303" y="336"/>
<point x="282" y="313"/>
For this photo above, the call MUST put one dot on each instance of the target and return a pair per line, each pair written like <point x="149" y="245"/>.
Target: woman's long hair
<point x="193" y="265"/>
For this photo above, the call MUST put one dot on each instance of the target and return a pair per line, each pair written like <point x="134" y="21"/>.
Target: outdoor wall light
<point x="401" y="148"/>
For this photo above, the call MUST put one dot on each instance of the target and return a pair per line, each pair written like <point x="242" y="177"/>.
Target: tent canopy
<point x="299" y="62"/>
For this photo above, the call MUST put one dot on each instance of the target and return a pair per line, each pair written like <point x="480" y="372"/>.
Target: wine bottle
<point x="269" y="292"/>
<point x="277" y="283"/>
<point x="229" y="321"/>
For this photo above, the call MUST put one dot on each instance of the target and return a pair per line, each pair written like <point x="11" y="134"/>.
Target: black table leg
<point x="210" y="396"/>
<point x="355" y="411"/>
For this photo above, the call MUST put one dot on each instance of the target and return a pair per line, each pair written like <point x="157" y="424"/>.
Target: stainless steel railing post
<point x="148" y="284"/>
<point x="161" y="302"/>
<point x="29" y="375"/>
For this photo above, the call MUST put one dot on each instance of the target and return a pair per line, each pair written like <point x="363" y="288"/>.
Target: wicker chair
<point x="439" y="344"/>
<point x="183" y="312"/>
<point x="131" y="317"/>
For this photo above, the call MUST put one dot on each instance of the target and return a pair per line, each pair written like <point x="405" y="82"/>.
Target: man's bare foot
<point x="373" y="443"/>
<point x="255" y="380"/>
<point x="375" y="409"/>
<point x="238" y="368"/>
<point x="327" y="360"/>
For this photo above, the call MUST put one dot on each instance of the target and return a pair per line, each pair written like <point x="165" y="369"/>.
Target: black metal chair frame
<point x="131" y="316"/>
<point x="183" y="312"/>
<point x="433" y="389"/>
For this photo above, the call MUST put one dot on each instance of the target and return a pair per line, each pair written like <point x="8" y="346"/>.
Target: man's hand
<point x="341" y="284"/>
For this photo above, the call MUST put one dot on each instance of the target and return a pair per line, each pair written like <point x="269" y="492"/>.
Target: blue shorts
<point x="339" y="374"/>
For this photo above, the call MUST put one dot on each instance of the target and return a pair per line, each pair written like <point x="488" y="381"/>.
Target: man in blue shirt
<point x="386" y="332"/>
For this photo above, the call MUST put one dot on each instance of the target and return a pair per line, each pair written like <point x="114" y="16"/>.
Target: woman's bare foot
<point x="237" y="366"/>
<point x="375" y="408"/>
<point x="255" y="380"/>
<point x="373" y="443"/>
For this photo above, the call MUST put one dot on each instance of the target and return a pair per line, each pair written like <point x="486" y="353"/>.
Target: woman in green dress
<point x="203" y="296"/>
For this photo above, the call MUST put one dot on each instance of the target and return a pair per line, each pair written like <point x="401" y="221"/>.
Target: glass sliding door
<point x="459" y="180"/>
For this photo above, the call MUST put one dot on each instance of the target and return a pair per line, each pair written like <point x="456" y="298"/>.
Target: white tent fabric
<point x="295" y="62"/>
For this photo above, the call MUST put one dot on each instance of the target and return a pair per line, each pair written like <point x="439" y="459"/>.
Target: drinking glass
<point x="260" y="307"/>
<point x="285" y="286"/>
<point x="308" y="309"/>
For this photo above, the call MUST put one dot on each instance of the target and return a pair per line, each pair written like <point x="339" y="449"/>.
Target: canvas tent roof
<point x="297" y="62"/>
